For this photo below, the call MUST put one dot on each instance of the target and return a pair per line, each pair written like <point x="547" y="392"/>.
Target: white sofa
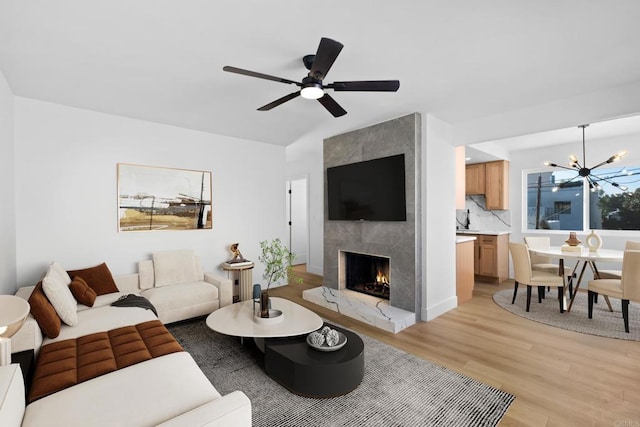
<point x="176" y="285"/>
<point x="169" y="390"/>
<point x="174" y="299"/>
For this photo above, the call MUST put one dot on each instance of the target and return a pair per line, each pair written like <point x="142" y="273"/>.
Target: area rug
<point x="604" y="323"/>
<point x="398" y="389"/>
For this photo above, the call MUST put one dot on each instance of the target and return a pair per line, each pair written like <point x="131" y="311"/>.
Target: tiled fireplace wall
<point x="398" y="240"/>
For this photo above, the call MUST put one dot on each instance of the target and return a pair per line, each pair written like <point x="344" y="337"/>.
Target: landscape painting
<point x="158" y="198"/>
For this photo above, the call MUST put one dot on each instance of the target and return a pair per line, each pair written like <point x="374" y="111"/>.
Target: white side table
<point x="244" y="276"/>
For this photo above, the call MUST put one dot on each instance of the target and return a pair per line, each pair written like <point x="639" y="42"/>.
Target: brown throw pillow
<point x="44" y="313"/>
<point x="82" y="292"/>
<point x="98" y="278"/>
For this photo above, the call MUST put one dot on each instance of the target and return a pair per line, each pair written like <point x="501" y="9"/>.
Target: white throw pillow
<point x="172" y="267"/>
<point x="55" y="285"/>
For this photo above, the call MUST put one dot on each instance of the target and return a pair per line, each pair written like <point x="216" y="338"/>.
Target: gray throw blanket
<point x="132" y="300"/>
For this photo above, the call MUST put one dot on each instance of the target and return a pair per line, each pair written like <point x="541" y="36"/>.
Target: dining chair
<point x="627" y="288"/>
<point x="527" y="276"/>
<point x="617" y="274"/>
<point x="544" y="263"/>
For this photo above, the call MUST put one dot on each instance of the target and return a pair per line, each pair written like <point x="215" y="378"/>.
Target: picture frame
<point x="153" y="198"/>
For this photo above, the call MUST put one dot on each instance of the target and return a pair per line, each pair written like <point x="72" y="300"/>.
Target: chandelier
<point x="585" y="172"/>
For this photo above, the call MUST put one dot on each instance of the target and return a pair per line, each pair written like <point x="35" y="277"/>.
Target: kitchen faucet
<point x="467" y="222"/>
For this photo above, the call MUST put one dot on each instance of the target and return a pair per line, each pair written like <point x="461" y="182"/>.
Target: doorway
<point x="297" y="218"/>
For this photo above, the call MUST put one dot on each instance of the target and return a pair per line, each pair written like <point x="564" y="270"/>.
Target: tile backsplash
<point x="480" y="218"/>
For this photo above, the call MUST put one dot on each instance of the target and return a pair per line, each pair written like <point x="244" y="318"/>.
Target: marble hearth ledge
<point x="365" y="308"/>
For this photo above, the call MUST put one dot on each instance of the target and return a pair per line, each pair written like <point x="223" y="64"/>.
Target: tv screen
<point x="373" y="190"/>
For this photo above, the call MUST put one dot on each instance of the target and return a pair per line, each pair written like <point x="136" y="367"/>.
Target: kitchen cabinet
<point x="490" y="179"/>
<point x="491" y="257"/>
<point x="464" y="270"/>
<point x="475" y="179"/>
<point x="497" y="185"/>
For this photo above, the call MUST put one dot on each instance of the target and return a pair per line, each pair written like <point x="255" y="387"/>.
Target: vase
<point x="594" y="242"/>
<point x="264" y="304"/>
<point x="573" y="239"/>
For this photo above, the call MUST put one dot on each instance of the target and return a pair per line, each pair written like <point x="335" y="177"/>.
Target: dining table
<point x="583" y="257"/>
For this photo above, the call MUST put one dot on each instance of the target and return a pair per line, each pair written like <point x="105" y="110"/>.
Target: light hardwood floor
<point x="559" y="377"/>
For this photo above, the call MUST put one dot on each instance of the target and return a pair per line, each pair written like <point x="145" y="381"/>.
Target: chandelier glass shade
<point x="585" y="172"/>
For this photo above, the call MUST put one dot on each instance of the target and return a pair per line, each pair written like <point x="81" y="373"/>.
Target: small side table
<point x="245" y="277"/>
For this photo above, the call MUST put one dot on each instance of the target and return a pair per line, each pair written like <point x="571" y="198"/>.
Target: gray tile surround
<point x="397" y="240"/>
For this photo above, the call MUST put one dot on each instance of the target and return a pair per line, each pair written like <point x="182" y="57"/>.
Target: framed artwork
<point x="157" y="198"/>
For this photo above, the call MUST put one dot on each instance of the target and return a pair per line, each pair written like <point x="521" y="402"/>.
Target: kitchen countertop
<point x="485" y="232"/>
<point x="463" y="239"/>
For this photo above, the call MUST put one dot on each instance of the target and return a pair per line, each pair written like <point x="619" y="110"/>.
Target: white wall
<point x="304" y="158"/>
<point x="7" y="182"/>
<point x="66" y="201"/>
<point x="438" y="218"/>
<point x="596" y="151"/>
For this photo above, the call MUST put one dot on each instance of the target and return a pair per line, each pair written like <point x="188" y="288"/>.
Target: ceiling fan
<point x="312" y="86"/>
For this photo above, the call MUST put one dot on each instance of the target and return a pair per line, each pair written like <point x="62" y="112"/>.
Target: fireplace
<point x="365" y="273"/>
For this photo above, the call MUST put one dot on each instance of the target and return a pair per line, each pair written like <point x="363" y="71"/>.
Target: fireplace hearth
<point x="367" y="274"/>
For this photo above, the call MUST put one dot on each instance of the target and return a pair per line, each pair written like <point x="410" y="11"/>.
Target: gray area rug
<point x="398" y="389"/>
<point x="604" y="323"/>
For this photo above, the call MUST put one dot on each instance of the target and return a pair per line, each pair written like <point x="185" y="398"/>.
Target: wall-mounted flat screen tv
<point x="373" y="190"/>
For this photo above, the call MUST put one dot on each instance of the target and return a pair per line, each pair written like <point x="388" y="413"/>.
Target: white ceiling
<point x="493" y="69"/>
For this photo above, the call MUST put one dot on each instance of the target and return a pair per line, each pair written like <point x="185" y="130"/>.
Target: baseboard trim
<point x="436" y="310"/>
<point x="314" y="269"/>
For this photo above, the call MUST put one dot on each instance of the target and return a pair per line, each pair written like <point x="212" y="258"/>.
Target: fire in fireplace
<point x="368" y="274"/>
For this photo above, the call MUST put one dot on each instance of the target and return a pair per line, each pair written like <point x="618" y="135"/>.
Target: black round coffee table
<point x="312" y="373"/>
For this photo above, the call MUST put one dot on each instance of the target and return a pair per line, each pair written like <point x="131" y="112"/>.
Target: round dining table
<point x="583" y="257"/>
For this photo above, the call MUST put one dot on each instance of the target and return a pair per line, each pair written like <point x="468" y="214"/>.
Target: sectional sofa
<point x="118" y="365"/>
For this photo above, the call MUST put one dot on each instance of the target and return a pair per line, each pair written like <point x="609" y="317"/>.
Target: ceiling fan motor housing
<point x="307" y="60"/>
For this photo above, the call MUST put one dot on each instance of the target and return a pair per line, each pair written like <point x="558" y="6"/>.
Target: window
<point x="562" y="207"/>
<point x="612" y="209"/>
<point x="554" y="207"/>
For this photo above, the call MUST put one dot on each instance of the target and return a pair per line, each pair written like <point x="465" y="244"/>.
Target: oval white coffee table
<point x="237" y="320"/>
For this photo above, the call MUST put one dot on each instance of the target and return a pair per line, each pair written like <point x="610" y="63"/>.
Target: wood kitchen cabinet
<point x="497" y="185"/>
<point x="475" y="179"/>
<point x="491" y="257"/>
<point x="490" y="179"/>
<point x="464" y="271"/>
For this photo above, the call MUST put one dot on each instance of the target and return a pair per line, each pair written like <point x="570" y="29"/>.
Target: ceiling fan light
<point x="573" y="158"/>
<point x="312" y="92"/>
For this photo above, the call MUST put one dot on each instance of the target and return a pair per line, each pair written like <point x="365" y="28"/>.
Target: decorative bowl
<point x="324" y="347"/>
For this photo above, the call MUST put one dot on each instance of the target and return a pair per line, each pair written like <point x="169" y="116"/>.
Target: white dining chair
<point x="627" y="287"/>
<point x="527" y="276"/>
<point x="617" y="274"/>
<point x="543" y="263"/>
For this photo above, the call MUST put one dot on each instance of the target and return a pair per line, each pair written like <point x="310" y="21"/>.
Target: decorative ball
<point x="332" y="338"/>
<point x="325" y="330"/>
<point x="316" y="338"/>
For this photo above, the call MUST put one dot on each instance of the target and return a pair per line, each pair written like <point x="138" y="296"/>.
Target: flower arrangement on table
<point x="277" y="261"/>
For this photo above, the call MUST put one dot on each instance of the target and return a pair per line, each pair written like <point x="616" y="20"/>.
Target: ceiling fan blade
<point x="277" y="102"/>
<point x="326" y="55"/>
<point x="331" y="105"/>
<point x="258" y="75"/>
<point x="366" y="85"/>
